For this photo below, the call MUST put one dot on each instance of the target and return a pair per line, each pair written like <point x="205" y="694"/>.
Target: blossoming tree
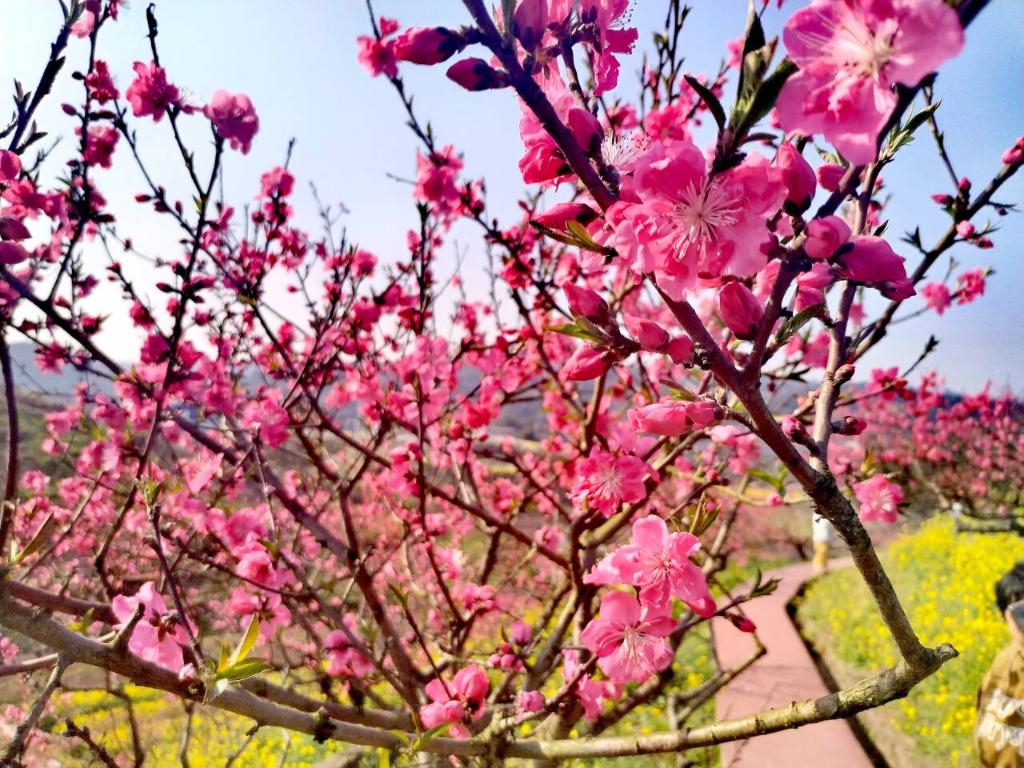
<point x="346" y="500"/>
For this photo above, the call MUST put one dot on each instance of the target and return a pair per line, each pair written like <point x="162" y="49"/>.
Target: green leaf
<point x="428" y="736"/>
<point x="763" y="101"/>
<point x="248" y="642"/>
<point x="40" y="537"/>
<point x="753" y="59"/>
<point x="768" y="478"/>
<point x="793" y="324"/>
<point x="575" y="330"/>
<point x="383" y="758"/>
<point x="709" y="99"/>
<point x="677" y="392"/>
<point x="243" y="670"/>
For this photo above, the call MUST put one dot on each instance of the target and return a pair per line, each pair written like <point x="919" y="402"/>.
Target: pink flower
<point x="871" y="260"/>
<point x="427" y="45"/>
<point x="970" y="285"/>
<point x="797" y="175"/>
<point x="628" y="641"/>
<point x="150" y="93"/>
<point x="10" y="166"/>
<point x="343" y="659"/>
<point x="99" y="145"/>
<point x="675" y="417"/>
<point x="157" y="637"/>
<point x="100" y="83"/>
<point x="879" y="499"/>
<point x="612" y="39"/>
<point x="740" y="310"/>
<point x="529" y="701"/>
<point x="454" y="701"/>
<point x="378" y="56"/>
<point x="605" y="481"/>
<point x="688" y="226"/>
<point x="590" y="693"/>
<point x="937" y="297"/>
<point x="234" y="118"/>
<point x="824" y="236"/>
<point x="658" y="564"/>
<point x="851" y="53"/>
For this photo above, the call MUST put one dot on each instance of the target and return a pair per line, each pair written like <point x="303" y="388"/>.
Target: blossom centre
<point x="704" y="209"/>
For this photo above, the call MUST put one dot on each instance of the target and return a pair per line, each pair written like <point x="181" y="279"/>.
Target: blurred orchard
<point x="481" y="516"/>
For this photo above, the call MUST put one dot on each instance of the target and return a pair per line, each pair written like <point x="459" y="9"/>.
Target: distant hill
<point x="28" y="375"/>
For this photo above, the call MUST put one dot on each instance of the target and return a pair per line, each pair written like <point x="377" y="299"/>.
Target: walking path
<point x="785" y="674"/>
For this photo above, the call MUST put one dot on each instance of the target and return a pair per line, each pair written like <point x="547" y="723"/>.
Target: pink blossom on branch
<point x="685" y="225"/>
<point x="150" y="93"/>
<point x="851" y="54"/>
<point x="605" y="481"/>
<point x="629" y="641"/>
<point x="234" y="118"/>
<point x="675" y="417"/>
<point x="879" y="499"/>
<point x="658" y="564"/>
<point x="157" y="637"/>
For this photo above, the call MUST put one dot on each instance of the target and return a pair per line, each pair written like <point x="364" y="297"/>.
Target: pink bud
<point x="529" y="21"/>
<point x="965" y="229"/>
<point x="649" y="335"/>
<point x="829" y="175"/>
<point x="10" y="165"/>
<point x="530" y="701"/>
<point x="775" y="500"/>
<point x="476" y="75"/>
<point x="742" y="623"/>
<point x="964" y="185"/>
<point x="521" y="633"/>
<point x="824" y="236"/>
<point x="680" y="349"/>
<point x="587" y="362"/>
<point x="703" y="606"/>
<point x="849" y="425"/>
<point x="187" y="674"/>
<point x="427" y="45"/>
<point x="672" y="418"/>
<point x="584" y="302"/>
<point x="12" y="253"/>
<point x="1013" y="156"/>
<point x="560" y="214"/>
<point x="13" y="229"/>
<point x="943" y="200"/>
<point x="871" y="260"/>
<point x="797" y="175"/>
<point x="585" y="128"/>
<point x="983" y="242"/>
<point x="792" y="426"/>
<point x="740" y="310"/>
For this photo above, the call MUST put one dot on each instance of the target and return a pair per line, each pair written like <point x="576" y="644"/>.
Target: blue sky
<point x="297" y="61"/>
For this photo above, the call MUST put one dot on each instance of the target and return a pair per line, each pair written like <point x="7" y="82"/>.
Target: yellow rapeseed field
<point x="946" y="581"/>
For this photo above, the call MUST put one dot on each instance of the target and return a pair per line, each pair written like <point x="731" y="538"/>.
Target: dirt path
<point x="787" y="673"/>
